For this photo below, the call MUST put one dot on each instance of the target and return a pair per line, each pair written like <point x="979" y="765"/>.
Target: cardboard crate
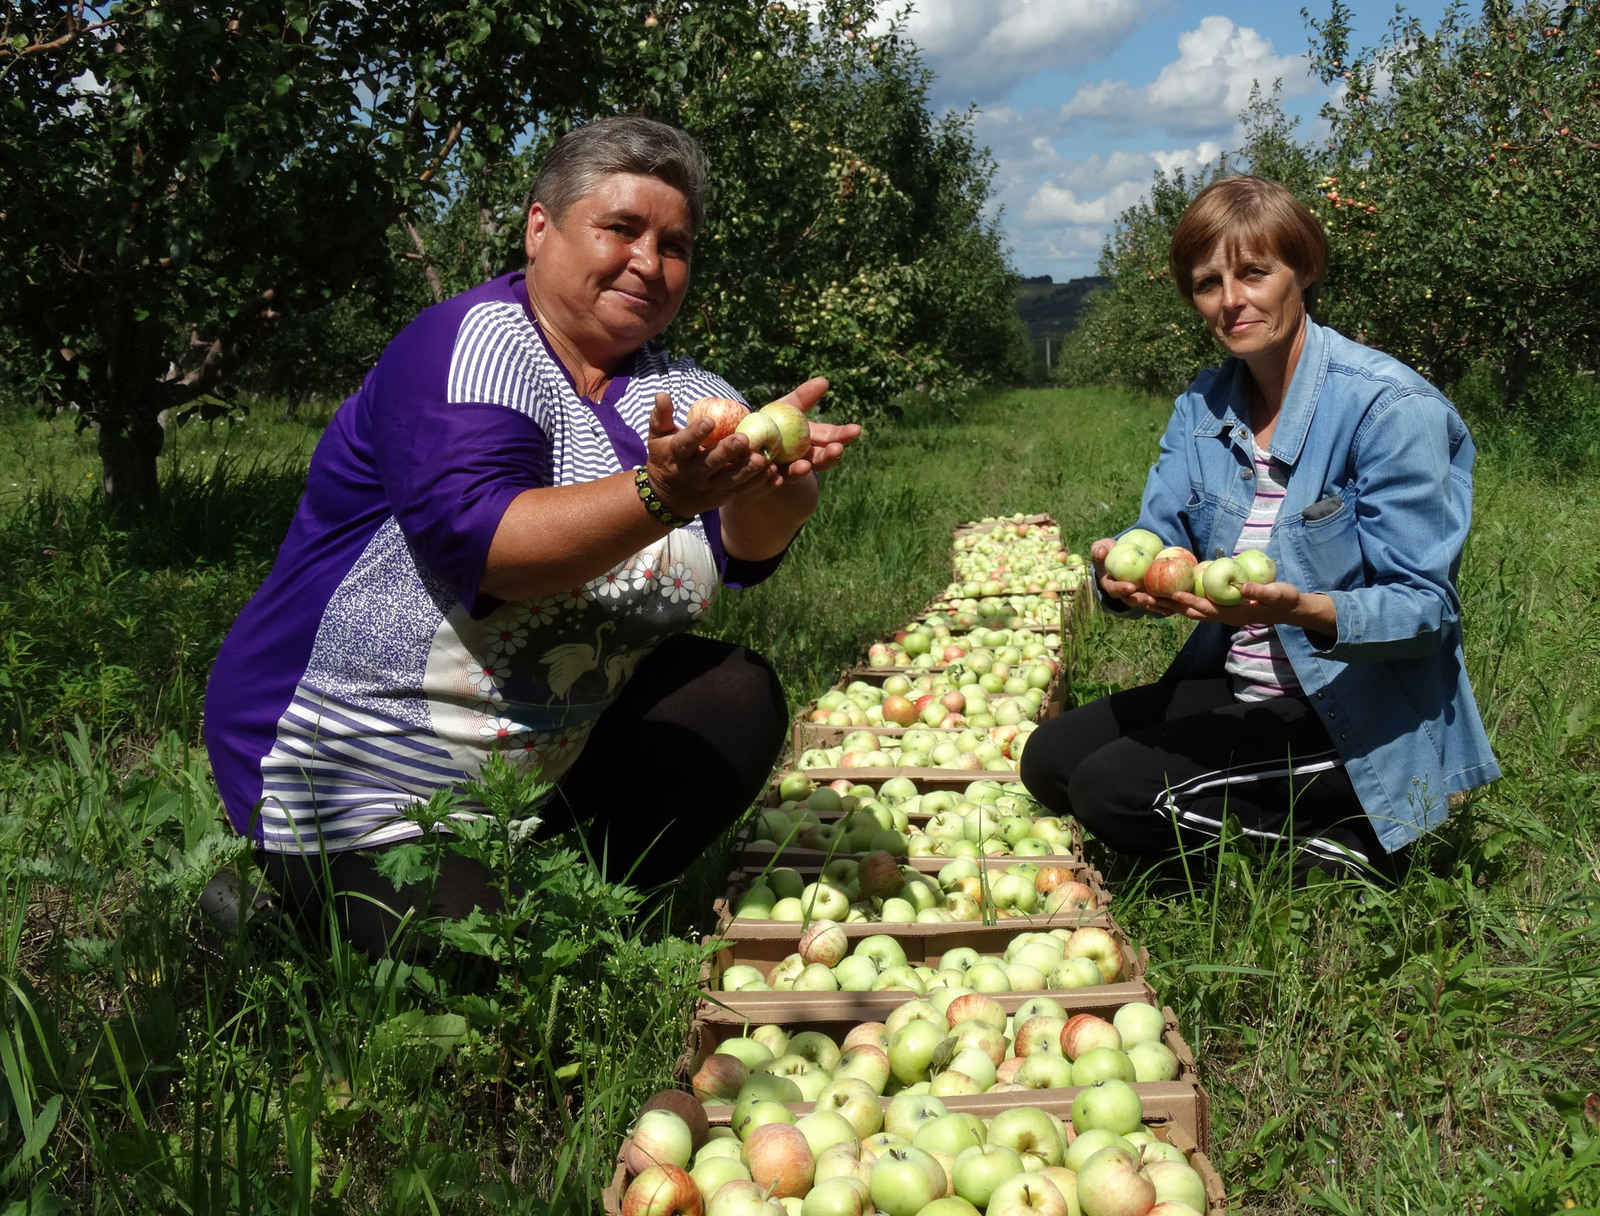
<point x="1165" y="1108"/>
<point x="924" y="945"/>
<point x="732" y="928"/>
<point x="749" y="853"/>
<point x="924" y="779"/>
<point x="706" y="1033"/>
<point x="970" y="527"/>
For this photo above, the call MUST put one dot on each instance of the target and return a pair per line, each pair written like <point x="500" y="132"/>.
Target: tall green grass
<point x="1426" y="1049"/>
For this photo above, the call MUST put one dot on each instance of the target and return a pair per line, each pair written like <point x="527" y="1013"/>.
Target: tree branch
<point x="429" y="270"/>
<point x="449" y="143"/>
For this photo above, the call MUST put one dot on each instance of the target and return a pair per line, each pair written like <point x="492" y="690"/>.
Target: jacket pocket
<point x="1199" y="513"/>
<point x="1329" y="546"/>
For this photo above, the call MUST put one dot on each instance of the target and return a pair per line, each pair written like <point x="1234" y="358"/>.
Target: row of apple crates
<point x="750" y="942"/>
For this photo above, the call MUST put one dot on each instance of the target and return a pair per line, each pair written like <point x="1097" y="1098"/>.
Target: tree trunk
<point x="128" y="449"/>
<point x="1516" y="368"/>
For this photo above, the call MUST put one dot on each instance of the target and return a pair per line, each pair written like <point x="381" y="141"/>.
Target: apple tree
<point x="1460" y="190"/>
<point x="179" y="178"/>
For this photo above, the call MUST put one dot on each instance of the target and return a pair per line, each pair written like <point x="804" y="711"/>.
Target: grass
<point x="1427" y="1050"/>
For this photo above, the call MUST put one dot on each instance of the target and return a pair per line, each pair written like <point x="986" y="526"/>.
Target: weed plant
<point x="1424" y="1049"/>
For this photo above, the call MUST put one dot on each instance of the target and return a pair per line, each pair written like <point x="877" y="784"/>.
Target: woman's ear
<point x="538" y="224"/>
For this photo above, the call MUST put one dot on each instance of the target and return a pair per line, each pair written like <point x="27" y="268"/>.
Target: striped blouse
<point x="1256" y="659"/>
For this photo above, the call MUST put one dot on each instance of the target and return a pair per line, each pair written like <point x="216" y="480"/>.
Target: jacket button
<point x="1246" y="474"/>
<point x="1344" y="734"/>
<point x="1319" y="696"/>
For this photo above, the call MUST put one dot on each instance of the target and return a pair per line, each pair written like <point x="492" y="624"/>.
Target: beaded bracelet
<point x="659" y="511"/>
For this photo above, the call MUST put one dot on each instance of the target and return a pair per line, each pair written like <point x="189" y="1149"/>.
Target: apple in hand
<point x="1128" y="563"/>
<point x="1255" y="566"/>
<point x="1168" y="575"/>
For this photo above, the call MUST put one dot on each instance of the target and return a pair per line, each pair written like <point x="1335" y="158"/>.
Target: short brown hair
<point x="1249" y="213"/>
<point x="627" y="144"/>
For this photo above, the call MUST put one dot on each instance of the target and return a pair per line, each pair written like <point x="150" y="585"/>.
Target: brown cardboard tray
<point x="1170" y="1111"/>
<point x="705" y="1034"/>
<point x="970" y="526"/>
<point x="924" y="945"/>
<point x="744" y="929"/>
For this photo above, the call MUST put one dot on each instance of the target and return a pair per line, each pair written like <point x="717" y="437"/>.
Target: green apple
<point x="981" y="1168"/>
<point x="1112" y="1104"/>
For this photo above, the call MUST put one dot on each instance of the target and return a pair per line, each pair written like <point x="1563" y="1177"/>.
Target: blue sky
<point x="1081" y="101"/>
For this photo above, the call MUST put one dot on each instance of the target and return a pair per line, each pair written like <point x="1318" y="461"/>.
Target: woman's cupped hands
<point x="691" y="480"/>
<point x="1261" y="603"/>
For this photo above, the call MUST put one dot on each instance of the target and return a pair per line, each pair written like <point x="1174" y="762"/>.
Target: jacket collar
<point x="1229" y="411"/>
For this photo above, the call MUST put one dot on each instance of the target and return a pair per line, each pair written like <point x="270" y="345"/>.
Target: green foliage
<point x="1429" y="1049"/>
<point x="1456" y="192"/>
<point x="200" y="199"/>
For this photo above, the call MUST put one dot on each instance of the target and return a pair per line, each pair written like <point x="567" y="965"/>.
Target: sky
<point x="1080" y="101"/>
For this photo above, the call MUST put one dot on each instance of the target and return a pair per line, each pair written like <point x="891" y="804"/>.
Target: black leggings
<point x="1152" y="770"/>
<point x="682" y="752"/>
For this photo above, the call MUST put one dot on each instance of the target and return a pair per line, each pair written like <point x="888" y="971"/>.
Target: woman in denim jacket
<point x="1329" y="711"/>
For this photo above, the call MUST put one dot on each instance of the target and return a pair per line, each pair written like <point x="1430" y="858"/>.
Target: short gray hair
<point x="628" y="144"/>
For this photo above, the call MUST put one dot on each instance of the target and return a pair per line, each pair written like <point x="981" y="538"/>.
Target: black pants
<point x="1152" y="771"/>
<point x="671" y="764"/>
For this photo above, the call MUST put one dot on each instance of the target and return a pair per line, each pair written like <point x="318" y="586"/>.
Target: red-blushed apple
<point x="981" y="1168"/>
<point x="1112" y="1104"/>
<point x="1050" y="877"/>
<point x="1005" y="1072"/>
<point x="687" y="1107"/>
<point x="662" y="1190"/>
<point x="1177" y="551"/>
<point x="980" y="1036"/>
<point x="1085" y="1031"/>
<point x="1095" y="943"/>
<point x="903" y="1181"/>
<point x="780" y="1159"/>
<point x="869" y="1034"/>
<point x="865" y="1063"/>
<point x="1109" y="1184"/>
<point x="720" y="1077"/>
<point x="659" y="1137"/>
<point x="1172" y="1207"/>
<point x="976" y="1006"/>
<point x="1175" y="1180"/>
<point x="1027" y="1194"/>
<point x="879" y="875"/>
<point x="1039" y="1034"/>
<point x="1030" y="1133"/>
<point x="899" y="710"/>
<point x="724" y="413"/>
<point x="856" y="1102"/>
<point x="1069" y="897"/>
<point x="824" y="943"/>
<point x="1169" y="575"/>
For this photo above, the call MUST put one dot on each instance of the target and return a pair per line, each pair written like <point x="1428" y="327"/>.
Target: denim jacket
<point x="1376" y="512"/>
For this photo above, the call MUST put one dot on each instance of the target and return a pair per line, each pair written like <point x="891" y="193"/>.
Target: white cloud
<point x="980" y="49"/>
<point x="1204" y="89"/>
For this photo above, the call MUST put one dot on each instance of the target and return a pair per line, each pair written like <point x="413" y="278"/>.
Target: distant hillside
<point x="1051" y="309"/>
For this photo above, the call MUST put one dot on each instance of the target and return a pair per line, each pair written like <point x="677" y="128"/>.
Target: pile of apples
<point x="962" y="613"/>
<point x="1141" y="557"/>
<point x="1014" y="558"/>
<point x="1086" y="957"/>
<point x="935" y="643"/>
<point x="914" y="1157"/>
<point x="955" y="828"/>
<point x="877" y="889"/>
<point x="952" y="699"/>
